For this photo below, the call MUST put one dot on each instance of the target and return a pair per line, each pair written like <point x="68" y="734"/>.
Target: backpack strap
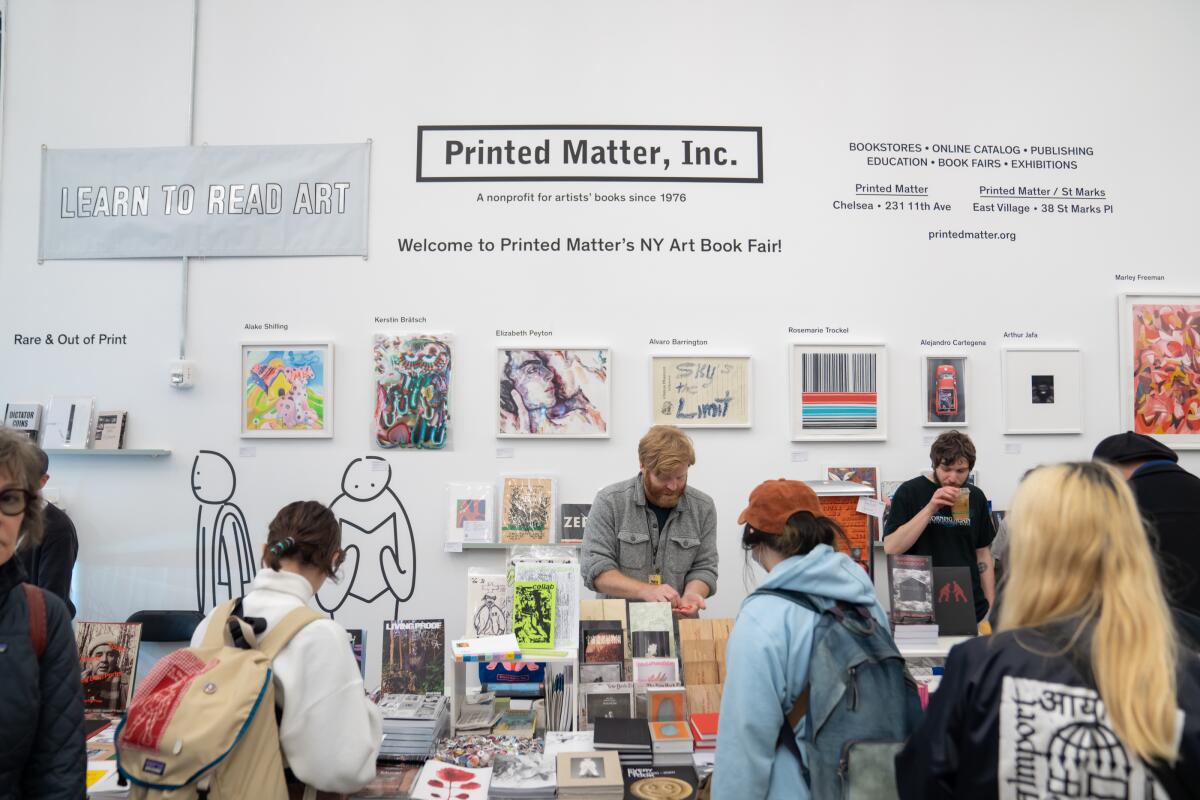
<point x="35" y="602"/>
<point x="214" y="635"/>
<point x="278" y="637"/>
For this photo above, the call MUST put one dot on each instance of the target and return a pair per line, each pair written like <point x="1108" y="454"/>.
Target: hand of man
<point x="690" y="605"/>
<point x="660" y="593"/>
<point x="945" y="496"/>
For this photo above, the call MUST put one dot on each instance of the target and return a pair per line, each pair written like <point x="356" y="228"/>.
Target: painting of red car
<point x="945" y="391"/>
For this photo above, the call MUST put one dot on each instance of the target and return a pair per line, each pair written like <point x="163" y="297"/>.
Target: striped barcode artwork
<point x="839" y="391"/>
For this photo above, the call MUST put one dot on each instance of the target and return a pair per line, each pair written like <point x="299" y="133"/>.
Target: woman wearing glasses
<point x="41" y="697"/>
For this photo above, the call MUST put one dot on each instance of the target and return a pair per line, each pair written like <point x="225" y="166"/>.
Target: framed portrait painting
<point x="554" y="393"/>
<point x="839" y="392"/>
<point x="1043" y="390"/>
<point x="287" y="389"/>
<point x="1160" y="367"/>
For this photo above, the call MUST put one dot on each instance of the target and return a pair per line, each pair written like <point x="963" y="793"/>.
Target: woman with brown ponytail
<point x="329" y="731"/>
<point x="1084" y="691"/>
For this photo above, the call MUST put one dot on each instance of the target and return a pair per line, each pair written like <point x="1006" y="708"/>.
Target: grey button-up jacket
<point x="622" y="534"/>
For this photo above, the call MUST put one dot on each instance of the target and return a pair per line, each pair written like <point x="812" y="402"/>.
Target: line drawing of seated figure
<point x="379" y="561"/>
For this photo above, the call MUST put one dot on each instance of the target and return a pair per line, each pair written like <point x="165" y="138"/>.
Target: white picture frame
<point x="937" y="388"/>
<point x="537" y="382"/>
<point x="281" y="366"/>
<point x="1144" y="407"/>
<point x="702" y="390"/>
<point x="1042" y="390"/>
<point x="836" y="417"/>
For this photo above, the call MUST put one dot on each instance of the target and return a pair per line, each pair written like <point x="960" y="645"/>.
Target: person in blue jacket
<point x="767" y="656"/>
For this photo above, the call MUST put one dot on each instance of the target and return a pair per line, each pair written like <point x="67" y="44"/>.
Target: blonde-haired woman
<point x="1084" y="691"/>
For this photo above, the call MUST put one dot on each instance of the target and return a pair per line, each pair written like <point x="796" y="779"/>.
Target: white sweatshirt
<point x="330" y="731"/>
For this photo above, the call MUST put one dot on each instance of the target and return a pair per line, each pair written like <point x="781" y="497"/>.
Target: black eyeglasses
<point x="14" y="502"/>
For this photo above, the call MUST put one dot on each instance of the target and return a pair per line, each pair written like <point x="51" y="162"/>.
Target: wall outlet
<point x="181" y="374"/>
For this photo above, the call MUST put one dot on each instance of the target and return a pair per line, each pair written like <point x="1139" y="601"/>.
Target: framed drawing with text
<point x="1160" y="367"/>
<point x="562" y="393"/>
<point x="1043" y="390"/>
<point x="287" y="390"/>
<point x="944" y="391"/>
<point x="700" y="391"/>
<point x="838" y="392"/>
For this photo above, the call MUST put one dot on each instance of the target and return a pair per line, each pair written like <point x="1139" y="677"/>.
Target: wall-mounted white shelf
<point x="498" y="546"/>
<point x="79" y="451"/>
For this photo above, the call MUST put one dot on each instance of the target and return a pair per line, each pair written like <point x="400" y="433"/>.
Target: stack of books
<point x="629" y="737"/>
<point x="913" y="637"/>
<point x="672" y="744"/>
<point x="525" y="776"/>
<point x="412" y="724"/>
<point x="591" y="775"/>
<point x="704" y="731"/>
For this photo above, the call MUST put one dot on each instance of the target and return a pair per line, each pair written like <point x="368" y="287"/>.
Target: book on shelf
<point x="954" y="601"/>
<point x="622" y="734"/>
<point x="489" y="604"/>
<point x="68" y="423"/>
<point x="108" y="655"/>
<point x="678" y="782"/>
<point x="572" y="521"/>
<point x="655" y="670"/>
<point x="533" y="613"/>
<point x="910" y="586"/>
<point x="110" y="430"/>
<point x="665" y="703"/>
<point x="24" y="417"/>
<point x="358" y="646"/>
<point x="612" y="700"/>
<point x="651" y="630"/>
<point x="593" y="774"/>
<point x="414" y="656"/>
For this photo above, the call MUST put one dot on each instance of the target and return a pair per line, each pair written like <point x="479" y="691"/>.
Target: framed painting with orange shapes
<point x="1160" y="367"/>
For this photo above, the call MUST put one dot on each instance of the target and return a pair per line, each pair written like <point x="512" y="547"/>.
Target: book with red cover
<point x="704" y="730"/>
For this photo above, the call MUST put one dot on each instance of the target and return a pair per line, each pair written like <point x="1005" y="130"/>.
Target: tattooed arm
<point x="987" y="573"/>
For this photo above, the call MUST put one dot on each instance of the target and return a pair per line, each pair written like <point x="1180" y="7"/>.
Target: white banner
<point x="169" y="202"/>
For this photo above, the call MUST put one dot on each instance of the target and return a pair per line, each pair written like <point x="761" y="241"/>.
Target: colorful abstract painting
<point x="287" y="390"/>
<point x="554" y="393"/>
<point x="412" y="391"/>
<point x="1166" y="369"/>
<point x="839" y="392"/>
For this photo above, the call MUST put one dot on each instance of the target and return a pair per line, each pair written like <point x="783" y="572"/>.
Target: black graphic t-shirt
<point x="948" y="541"/>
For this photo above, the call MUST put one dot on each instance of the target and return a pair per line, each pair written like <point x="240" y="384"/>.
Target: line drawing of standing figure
<point x="378" y="560"/>
<point x="489" y="619"/>
<point x="220" y="526"/>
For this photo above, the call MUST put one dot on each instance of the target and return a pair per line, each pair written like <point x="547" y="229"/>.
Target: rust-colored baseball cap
<point x="772" y="502"/>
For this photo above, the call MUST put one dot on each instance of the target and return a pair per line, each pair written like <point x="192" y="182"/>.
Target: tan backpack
<point x="202" y="723"/>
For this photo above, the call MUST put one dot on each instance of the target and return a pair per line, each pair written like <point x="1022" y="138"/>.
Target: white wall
<point x="815" y="76"/>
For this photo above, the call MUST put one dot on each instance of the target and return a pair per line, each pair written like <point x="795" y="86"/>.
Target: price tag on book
<point x="871" y="507"/>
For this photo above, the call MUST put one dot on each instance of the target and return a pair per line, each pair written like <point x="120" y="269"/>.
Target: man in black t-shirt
<point x="923" y="519"/>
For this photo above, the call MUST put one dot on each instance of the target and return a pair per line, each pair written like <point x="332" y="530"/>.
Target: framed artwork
<point x="554" y="393"/>
<point x="839" y="392"/>
<point x="287" y="389"/>
<point x="527" y="510"/>
<point x="1043" y="390"/>
<point x="1160" y="367"/>
<point x="412" y="391"/>
<point x="700" y="391"/>
<point x="944" y="383"/>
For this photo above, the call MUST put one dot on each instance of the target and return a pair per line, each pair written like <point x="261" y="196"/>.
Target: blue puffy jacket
<point x="767" y="667"/>
<point x="41" y="701"/>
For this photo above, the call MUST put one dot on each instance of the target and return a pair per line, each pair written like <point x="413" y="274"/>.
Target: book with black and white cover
<point x="110" y="430"/>
<point x="523" y="776"/>
<point x="489" y="604"/>
<point x="651" y="628"/>
<point x="910" y="586"/>
<point x="593" y="775"/>
<point x="572" y="520"/>
<point x="68" y="423"/>
<point x="24" y="417"/>
<point x="614" y="700"/>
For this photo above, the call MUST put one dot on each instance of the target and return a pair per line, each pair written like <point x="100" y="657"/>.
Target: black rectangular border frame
<point x="757" y="129"/>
